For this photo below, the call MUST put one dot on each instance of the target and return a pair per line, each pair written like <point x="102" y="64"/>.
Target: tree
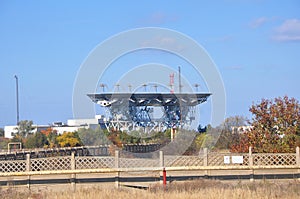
<point x="51" y="137"/>
<point x="1" y="132"/>
<point x="3" y="142"/>
<point x="25" y="128"/>
<point x="240" y="143"/>
<point x="275" y="126"/>
<point x="92" y="137"/>
<point x="69" y="139"/>
<point x="228" y="136"/>
<point x="37" y="140"/>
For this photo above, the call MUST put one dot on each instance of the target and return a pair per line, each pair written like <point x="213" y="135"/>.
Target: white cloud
<point x="289" y="30"/>
<point x="258" y="22"/>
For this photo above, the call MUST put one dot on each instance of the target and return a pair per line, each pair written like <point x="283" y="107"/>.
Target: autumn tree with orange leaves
<point x="51" y="137"/>
<point x="275" y="127"/>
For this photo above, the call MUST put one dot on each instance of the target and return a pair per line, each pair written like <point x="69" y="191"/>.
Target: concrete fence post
<point x="162" y="165"/>
<point x="250" y="157"/>
<point x="297" y="156"/>
<point x="205" y="161"/>
<point x="73" y="163"/>
<point x="161" y="159"/>
<point x="117" y="165"/>
<point x="251" y="164"/>
<point x="205" y="157"/>
<point x="298" y="161"/>
<point x="73" y="167"/>
<point x="28" y="168"/>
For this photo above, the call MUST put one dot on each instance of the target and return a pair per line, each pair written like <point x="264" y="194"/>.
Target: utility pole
<point x="17" y="95"/>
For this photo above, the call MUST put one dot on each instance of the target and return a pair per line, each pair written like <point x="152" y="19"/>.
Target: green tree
<point x="36" y="140"/>
<point x="3" y="142"/>
<point x="92" y="137"/>
<point x="1" y="132"/>
<point x="25" y="128"/>
<point x="202" y="140"/>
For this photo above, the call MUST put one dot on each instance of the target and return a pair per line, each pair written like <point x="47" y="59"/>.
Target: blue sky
<point x="255" y="45"/>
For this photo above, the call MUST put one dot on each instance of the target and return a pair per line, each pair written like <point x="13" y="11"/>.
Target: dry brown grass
<point x="177" y="190"/>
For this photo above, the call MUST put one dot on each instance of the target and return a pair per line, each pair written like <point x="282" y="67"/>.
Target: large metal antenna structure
<point x="132" y="111"/>
<point x="136" y="111"/>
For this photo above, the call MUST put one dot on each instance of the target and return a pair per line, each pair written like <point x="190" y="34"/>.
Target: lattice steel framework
<point x="127" y="111"/>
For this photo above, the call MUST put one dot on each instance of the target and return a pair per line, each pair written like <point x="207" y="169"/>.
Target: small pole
<point x="118" y="87"/>
<point x="129" y="87"/>
<point x="161" y="164"/>
<point x="179" y="78"/>
<point x="164" y="177"/>
<point x="155" y="86"/>
<point x="196" y="86"/>
<point x="173" y="134"/>
<point x="145" y="87"/>
<point x="103" y="86"/>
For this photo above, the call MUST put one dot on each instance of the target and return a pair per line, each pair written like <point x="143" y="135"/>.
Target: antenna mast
<point x="179" y="79"/>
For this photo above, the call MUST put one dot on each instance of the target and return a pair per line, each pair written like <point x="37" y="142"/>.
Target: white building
<point x="10" y="131"/>
<point x="71" y="126"/>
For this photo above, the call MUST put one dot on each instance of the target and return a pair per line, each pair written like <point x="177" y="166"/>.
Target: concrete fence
<point x="206" y="163"/>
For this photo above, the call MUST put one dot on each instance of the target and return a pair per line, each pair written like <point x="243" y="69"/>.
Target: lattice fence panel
<point x="47" y="164"/>
<point x="94" y="162"/>
<point x="138" y="162"/>
<point x="274" y="159"/>
<point x="245" y="159"/>
<point x="13" y="166"/>
<point x="217" y="159"/>
<point x="176" y="161"/>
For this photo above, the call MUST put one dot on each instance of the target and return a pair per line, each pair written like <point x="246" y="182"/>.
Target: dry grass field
<point x="176" y="190"/>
